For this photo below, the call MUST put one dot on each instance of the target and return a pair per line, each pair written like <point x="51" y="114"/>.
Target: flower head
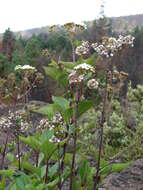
<point x="84" y="67"/>
<point x="92" y="84"/>
<point x="83" y="49"/>
<point x="24" y="67"/>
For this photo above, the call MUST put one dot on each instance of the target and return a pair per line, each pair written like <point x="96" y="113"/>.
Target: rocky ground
<point x="129" y="179"/>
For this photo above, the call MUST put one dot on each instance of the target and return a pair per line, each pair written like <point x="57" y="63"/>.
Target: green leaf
<point x="48" y="149"/>
<point x="68" y="158"/>
<point x="2" y="183"/>
<point x="84" y="170"/>
<point x="48" y="110"/>
<point x="32" y="142"/>
<point x="28" y="166"/>
<point x="46" y="135"/>
<point x="61" y="102"/>
<point x="53" y="170"/>
<point x="43" y="171"/>
<point x="67" y="114"/>
<point x="57" y="74"/>
<point x="52" y="184"/>
<point x="68" y="65"/>
<point x="10" y="157"/>
<point x="41" y="157"/>
<point x="76" y="184"/>
<point x="105" y="170"/>
<point x="84" y="106"/>
<point x="22" y="181"/>
<point x="7" y="173"/>
<point x="119" y="166"/>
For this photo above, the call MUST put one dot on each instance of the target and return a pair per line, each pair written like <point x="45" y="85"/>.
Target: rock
<point x="129" y="179"/>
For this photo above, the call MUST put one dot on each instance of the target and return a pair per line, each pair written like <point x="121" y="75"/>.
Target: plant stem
<point x="36" y="158"/>
<point x="64" y="149"/>
<point x="59" y="169"/>
<point x="47" y="168"/>
<point x="74" y="136"/>
<point x="18" y="151"/>
<point x="102" y="132"/>
<point x="4" y="152"/>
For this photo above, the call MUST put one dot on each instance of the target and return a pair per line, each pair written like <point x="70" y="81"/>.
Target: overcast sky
<point x="26" y="14"/>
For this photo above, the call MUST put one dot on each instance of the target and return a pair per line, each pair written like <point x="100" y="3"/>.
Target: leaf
<point x="84" y="170"/>
<point x="68" y="158"/>
<point x="76" y="184"/>
<point x="48" y="110"/>
<point x="41" y="157"/>
<point x="32" y="142"/>
<point x="22" y="181"/>
<point x="48" y="149"/>
<point x="7" y="173"/>
<point x="57" y="74"/>
<point x="61" y="102"/>
<point x="43" y="171"/>
<point x="120" y="166"/>
<point x="2" y="183"/>
<point x="105" y="170"/>
<point x="10" y="157"/>
<point x="103" y="162"/>
<point x="28" y="166"/>
<point x="53" y="170"/>
<point x="68" y="65"/>
<point x="46" y="135"/>
<point x="52" y="184"/>
<point x="67" y="114"/>
<point x="84" y="106"/>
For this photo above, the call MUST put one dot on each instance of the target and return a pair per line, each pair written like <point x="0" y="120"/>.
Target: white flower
<point x="74" y="77"/>
<point x="18" y="67"/>
<point x="24" y="67"/>
<point x="92" y="84"/>
<point x="83" y="49"/>
<point x="111" y="45"/>
<point x="85" y="67"/>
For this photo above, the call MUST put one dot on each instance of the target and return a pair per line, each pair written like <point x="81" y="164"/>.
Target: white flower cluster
<point x="92" y="84"/>
<point x="79" y="72"/>
<point x="56" y="121"/>
<point x="84" y="67"/>
<point x="9" y="122"/>
<point x="24" y="67"/>
<point x="83" y="49"/>
<point x="111" y="45"/>
<point x="50" y="124"/>
<point x="74" y="77"/>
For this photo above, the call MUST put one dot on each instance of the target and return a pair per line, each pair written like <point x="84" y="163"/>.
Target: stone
<point x="128" y="179"/>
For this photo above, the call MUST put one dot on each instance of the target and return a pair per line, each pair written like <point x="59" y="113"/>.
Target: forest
<point x="71" y="108"/>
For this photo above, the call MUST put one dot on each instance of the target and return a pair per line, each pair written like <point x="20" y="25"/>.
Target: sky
<point x="26" y="14"/>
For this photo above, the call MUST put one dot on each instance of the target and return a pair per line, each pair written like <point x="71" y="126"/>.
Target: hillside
<point x="120" y="24"/>
<point x="127" y="23"/>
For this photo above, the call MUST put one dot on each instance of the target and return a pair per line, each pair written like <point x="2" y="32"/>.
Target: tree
<point x="32" y="50"/>
<point x="8" y="44"/>
<point x="3" y="65"/>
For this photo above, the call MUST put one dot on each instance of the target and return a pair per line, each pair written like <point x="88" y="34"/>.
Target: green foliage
<point x="71" y="130"/>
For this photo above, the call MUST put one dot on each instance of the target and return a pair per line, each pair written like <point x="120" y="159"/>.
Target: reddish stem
<point x="36" y="158"/>
<point x="74" y="136"/>
<point x="47" y="169"/>
<point x="97" y="177"/>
